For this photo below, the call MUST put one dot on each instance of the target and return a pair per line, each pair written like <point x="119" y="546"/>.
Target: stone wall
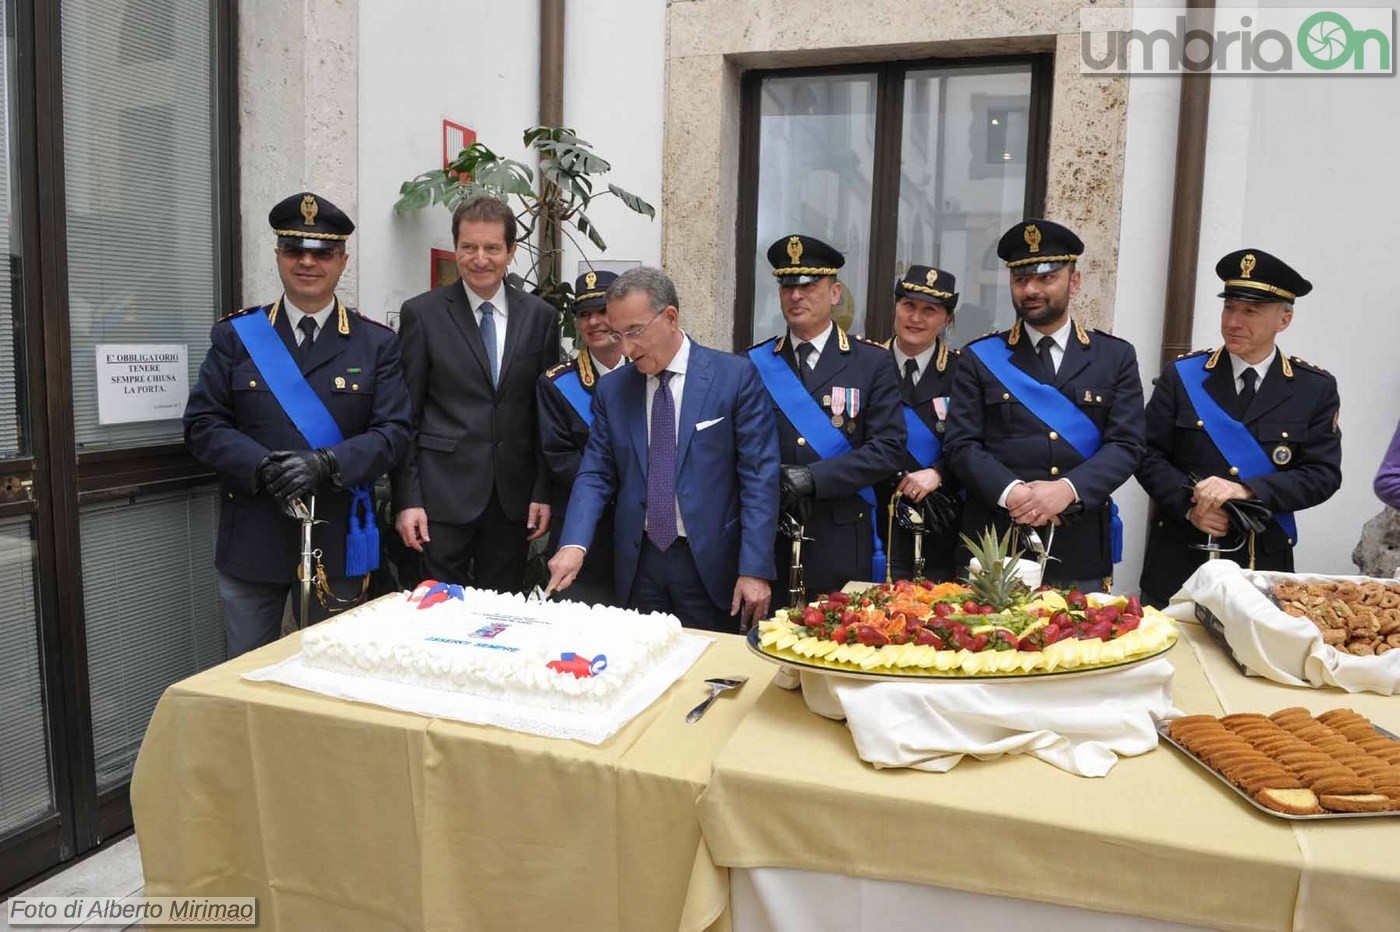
<point x="710" y="43"/>
<point x="298" y="93"/>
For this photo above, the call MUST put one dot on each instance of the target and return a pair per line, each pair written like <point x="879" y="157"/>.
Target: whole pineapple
<point x="994" y="582"/>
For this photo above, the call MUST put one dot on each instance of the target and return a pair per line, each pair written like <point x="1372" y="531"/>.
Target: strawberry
<point x="971" y="608"/>
<point x="944" y="609"/>
<point x="987" y="610"/>
<point x="1050" y="633"/>
<point x="813" y="617"/>
<point x="1134" y="606"/>
<point x="849" y="618"/>
<point x="1129" y="622"/>
<point x="874" y="637"/>
<point x="1075" y="599"/>
<point x="927" y="638"/>
<point x="839" y="598"/>
<point x="926" y="583"/>
<point x="839" y="635"/>
<point x="899" y="637"/>
<point x="1102" y="630"/>
<point x="978" y="643"/>
<point x="1109" y="613"/>
<point x="1005" y="636"/>
<point x="1062" y="619"/>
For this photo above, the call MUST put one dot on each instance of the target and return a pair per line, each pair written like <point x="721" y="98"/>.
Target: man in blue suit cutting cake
<point x="684" y="440"/>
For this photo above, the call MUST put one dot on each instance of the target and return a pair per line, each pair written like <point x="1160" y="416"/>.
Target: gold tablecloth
<point x="1157" y="837"/>
<point x="340" y="816"/>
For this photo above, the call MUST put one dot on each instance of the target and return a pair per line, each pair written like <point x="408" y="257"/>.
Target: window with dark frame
<point x="894" y="164"/>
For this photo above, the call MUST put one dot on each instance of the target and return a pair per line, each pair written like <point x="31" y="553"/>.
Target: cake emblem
<point x="581" y="667"/>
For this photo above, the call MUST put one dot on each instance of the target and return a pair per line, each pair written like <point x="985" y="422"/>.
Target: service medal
<point x="838" y="401"/>
<point x="837" y="420"/>
<point x="339" y="381"/>
<point x="855" y="401"/>
<point x="1282" y="455"/>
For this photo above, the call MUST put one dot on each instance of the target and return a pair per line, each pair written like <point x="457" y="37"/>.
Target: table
<point x="1155" y="838"/>
<point x="343" y="816"/>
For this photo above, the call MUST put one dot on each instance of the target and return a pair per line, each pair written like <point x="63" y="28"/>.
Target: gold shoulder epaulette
<point x="1193" y="353"/>
<point x="875" y="343"/>
<point x="1014" y="336"/>
<point x="1303" y="363"/>
<point x="942" y="363"/>
<point x="559" y="369"/>
<point x="371" y="320"/>
<point x="843" y="341"/>
<point x="240" y="312"/>
<point x="1214" y="357"/>
<point x="1080" y="333"/>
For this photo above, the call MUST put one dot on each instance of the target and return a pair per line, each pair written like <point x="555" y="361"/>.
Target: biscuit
<point x="1368" y="802"/>
<point x="1289" y="801"/>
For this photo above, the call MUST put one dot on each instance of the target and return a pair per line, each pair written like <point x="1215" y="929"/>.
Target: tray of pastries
<point x="1360" y="618"/>
<point x="1294" y="766"/>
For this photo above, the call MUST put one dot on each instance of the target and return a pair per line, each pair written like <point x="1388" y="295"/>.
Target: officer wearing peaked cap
<point x="925" y="302"/>
<point x="840" y="426"/>
<point x="565" y="398"/>
<point x="1248" y="421"/>
<point x="1046" y="418"/>
<point x="298" y="397"/>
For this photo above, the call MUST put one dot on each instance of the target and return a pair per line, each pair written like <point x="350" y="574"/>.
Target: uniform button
<point x="1161" y="524"/>
<point x="1234" y="470"/>
<point x="1200" y="423"/>
<point x="355" y="387"/>
<point x="1054" y="470"/>
<point x="230" y="495"/>
<point x="801" y="441"/>
<point x="1005" y="396"/>
<point x="861" y="515"/>
<point x="252" y="383"/>
<point x="1285" y="435"/>
<point x="1290" y="542"/>
<point x="1098" y="399"/>
<point x="1054" y="436"/>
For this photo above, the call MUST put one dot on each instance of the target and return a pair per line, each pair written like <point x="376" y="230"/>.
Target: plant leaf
<point x="632" y="201"/>
<point x="586" y="227"/>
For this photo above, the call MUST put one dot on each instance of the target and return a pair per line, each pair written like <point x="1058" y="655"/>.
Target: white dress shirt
<point x="1057" y="350"/>
<point x="1238" y="365"/>
<point x="676" y="367"/>
<point x="499" y="312"/>
<point x="818" y="344"/>
<point x="602" y="369"/>
<point x="921" y="361"/>
<point x="295" y="314"/>
<point x="1057" y="355"/>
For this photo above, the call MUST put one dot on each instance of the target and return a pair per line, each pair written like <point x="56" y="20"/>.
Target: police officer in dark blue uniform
<point x="1247" y="421"/>
<point x="1046" y="418"/>
<point x="925" y="300"/>
<point x="565" y="397"/>
<point x="237" y="421"/>
<point x="840" y="425"/>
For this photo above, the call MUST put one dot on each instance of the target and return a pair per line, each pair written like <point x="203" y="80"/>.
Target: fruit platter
<point x="990" y="627"/>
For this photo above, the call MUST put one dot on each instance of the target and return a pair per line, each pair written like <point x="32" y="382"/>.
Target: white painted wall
<point x="480" y="67"/>
<point x="1302" y="168"/>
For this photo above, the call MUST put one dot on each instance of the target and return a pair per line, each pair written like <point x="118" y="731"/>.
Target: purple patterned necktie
<point x="661" y="467"/>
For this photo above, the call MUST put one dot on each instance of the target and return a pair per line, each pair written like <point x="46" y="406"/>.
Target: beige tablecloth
<point x="1156" y="837"/>
<point x="340" y="816"/>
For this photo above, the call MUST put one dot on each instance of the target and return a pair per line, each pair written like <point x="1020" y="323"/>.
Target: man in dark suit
<point x="236" y="423"/>
<point x="1248" y="422"/>
<point x="683" y="439"/>
<point x="840" y="423"/>
<point x="473" y="491"/>
<point x="1046" y="419"/>
<point x="565" y="397"/>
<point x="925" y="299"/>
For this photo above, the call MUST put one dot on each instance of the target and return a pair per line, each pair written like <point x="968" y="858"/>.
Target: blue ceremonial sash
<point x="1231" y="438"/>
<point x="1054" y="410"/>
<point x="923" y="443"/>
<point x="571" y="387"/>
<point x="811" y="422"/>
<point x="309" y="415"/>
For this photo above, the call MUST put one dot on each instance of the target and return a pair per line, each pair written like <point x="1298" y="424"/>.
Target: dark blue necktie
<point x="306" y="325"/>
<point x="661" y="467"/>
<point x="488" y="336"/>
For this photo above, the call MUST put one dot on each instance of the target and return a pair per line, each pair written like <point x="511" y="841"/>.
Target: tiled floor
<point x="113" y="871"/>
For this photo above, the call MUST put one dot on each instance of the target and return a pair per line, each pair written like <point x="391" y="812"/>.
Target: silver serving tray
<point x="1162" y="730"/>
<point x="816" y="666"/>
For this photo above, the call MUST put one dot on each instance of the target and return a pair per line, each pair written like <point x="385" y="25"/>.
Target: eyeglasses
<point x="295" y="253"/>
<point x="490" y="250"/>
<point x="632" y="333"/>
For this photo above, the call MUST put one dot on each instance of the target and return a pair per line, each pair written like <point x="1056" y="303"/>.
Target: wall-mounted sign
<point x="141" y="382"/>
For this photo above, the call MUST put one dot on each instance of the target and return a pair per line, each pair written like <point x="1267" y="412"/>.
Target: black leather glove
<point x="940" y="513"/>
<point x="798" y="490"/>
<point x="297" y="472"/>
<point x="1248" y="516"/>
